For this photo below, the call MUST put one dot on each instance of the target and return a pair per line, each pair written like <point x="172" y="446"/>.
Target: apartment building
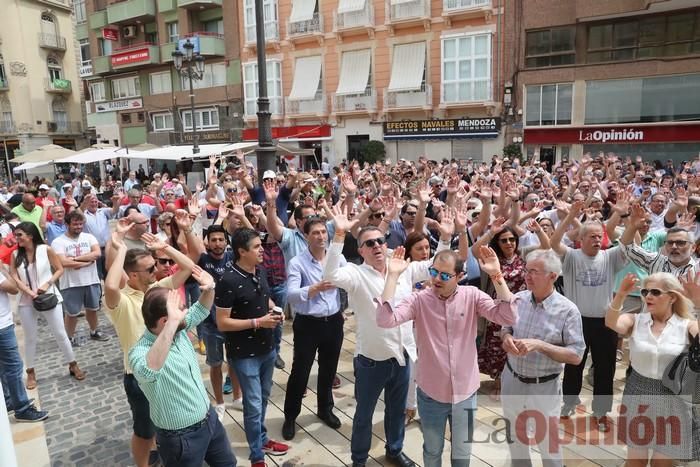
<point x="39" y="86"/>
<point x="425" y="77"/>
<point x="135" y="93"/>
<point x="596" y="75"/>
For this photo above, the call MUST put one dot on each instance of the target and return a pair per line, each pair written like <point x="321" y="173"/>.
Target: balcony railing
<point x="422" y="97"/>
<point x="52" y="41"/>
<point x="4" y="84"/>
<point x="315" y="106"/>
<point x="464" y="4"/>
<point x="362" y="102"/>
<point x="407" y="10"/>
<point x="309" y="26"/>
<point x="63" y="128"/>
<point x="7" y="128"/>
<point x="354" y="19"/>
<point x="271" y="33"/>
<point x="86" y="69"/>
<point x="276" y="108"/>
<point x="57" y="85"/>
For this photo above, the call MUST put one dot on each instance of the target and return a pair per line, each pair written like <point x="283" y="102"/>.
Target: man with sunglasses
<point x="124" y="307"/>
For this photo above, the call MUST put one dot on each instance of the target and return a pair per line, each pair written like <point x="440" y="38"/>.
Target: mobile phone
<point x="277" y="311"/>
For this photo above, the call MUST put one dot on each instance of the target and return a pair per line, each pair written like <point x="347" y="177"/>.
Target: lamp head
<point x="199" y="63"/>
<point x="189" y="49"/>
<point x="177" y="59"/>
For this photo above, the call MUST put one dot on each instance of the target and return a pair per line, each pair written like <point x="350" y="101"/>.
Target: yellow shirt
<point x="128" y="319"/>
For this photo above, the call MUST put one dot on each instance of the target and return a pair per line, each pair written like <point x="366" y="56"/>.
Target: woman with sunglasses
<point x="36" y="269"/>
<point x="657" y="336"/>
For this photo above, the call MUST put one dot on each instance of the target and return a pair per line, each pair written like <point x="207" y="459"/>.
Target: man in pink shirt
<point x="445" y="317"/>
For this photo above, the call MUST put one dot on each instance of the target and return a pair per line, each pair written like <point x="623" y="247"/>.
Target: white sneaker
<point x="238" y="403"/>
<point x="220" y="411"/>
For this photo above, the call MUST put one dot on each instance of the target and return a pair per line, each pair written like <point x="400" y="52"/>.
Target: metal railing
<point x="271" y="32"/>
<point x="464" y="4"/>
<point x="422" y="97"/>
<point x="362" y="102"/>
<point x="315" y="106"/>
<point x="309" y="26"/>
<point x="63" y="128"/>
<point x="52" y="41"/>
<point x="405" y="10"/>
<point x="354" y="19"/>
<point x="276" y="107"/>
<point x="57" y="85"/>
<point x="7" y="128"/>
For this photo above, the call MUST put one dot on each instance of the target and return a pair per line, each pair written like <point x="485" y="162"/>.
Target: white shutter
<point x="346" y="6"/>
<point x="302" y="10"/>
<point x="354" y="72"/>
<point x="407" y="67"/>
<point x="307" y="74"/>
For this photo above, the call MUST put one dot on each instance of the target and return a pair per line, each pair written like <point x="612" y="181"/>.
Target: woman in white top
<point x="36" y="268"/>
<point x="655" y="419"/>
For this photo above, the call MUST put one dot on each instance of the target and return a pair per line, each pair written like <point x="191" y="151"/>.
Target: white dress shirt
<point x="650" y="355"/>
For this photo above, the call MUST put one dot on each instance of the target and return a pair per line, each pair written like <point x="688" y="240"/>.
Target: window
<point x="666" y="35"/>
<point x="215" y="26"/>
<point x="59" y="114"/>
<point x="214" y="75"/>
<point x="126" y="118"/>
<point x="466" y="68"/>
<point x="658" y="99"/>
<point x="123" y="88"/>
<point x="274" y="87"/>
<point x="97" y="91"/>
<point x="55" y="70"/>
<point x="3" y="73"/>
<point x="160" y="82"/>
<point x="162" y="121"/>
<point x="79" y="11"/>
<point x="549" y="104"/>
<point x="173" y="31"/>
<point x="269" y="15"/>
<point x="206" y="119"/>
<point x="550" y="47"/>
<point x="104" y="47"/>
<point x="84" y="52"/>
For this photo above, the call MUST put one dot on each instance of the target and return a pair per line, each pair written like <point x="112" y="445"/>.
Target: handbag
<point x="681" y="375"/>
<point x="45" y="301"/>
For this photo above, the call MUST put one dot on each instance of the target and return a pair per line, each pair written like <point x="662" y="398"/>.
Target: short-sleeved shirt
<point x="248" y="297"/>
<point x="217" y="268"/>
<point x="72" y="248"/>
<point x="33" y="216"/>
<point x="5" y="310"/>
<point x="54" y="230"/>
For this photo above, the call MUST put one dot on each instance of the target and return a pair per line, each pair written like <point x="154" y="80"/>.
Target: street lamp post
<point x="265" y="153"/>
<point x="183" y="64"/>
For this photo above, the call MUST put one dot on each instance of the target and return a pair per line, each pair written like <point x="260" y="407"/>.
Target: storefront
<point x="311" y="139"/>
<point x="458" y="138"/>
<point x="677" y="141"/>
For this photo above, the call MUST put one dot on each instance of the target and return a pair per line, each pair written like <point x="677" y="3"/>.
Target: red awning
<point x="310" y="132"/>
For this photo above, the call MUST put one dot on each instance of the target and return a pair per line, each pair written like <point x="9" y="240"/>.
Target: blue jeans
<point x="434" y="416"/>
<point x="371" y="377"/>
<point x="11" y="371"/>
<point x="278" y="293"/>
<point x="255" y="376"/>
<point x="206" y="443"/>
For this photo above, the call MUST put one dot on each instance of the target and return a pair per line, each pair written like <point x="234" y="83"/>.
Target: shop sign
<point x="214" y="136"/>
<point x="113" y="106"/>
<point x="487" y="127"/>
<point x="110" y="34"/>
<point x="633" y="134"/>
<point x="131" y="57"/>
<point x="309" y="132"/>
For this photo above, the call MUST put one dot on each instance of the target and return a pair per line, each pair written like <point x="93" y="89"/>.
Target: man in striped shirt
<point x="188" y="431"/>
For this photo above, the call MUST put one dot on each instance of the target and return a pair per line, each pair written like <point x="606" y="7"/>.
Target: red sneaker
<point x="274" y="448"/>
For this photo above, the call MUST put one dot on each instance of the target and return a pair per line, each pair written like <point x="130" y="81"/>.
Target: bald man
<point x="28" y="211"/>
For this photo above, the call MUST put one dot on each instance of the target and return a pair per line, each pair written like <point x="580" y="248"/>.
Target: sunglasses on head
<point x="164" y="261"/>
<point x="653" y="292"/>
<point x="444" y="276"/>
<point x="374" y="241"/>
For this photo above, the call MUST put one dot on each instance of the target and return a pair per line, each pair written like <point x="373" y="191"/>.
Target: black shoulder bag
<point x="45" y="301"/>
<point x="681" y="375"/>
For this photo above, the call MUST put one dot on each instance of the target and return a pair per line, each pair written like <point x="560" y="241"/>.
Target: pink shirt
<point x="446" y="336"/>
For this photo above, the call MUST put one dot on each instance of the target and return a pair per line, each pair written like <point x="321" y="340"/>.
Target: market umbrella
<point x="47" y="153"/>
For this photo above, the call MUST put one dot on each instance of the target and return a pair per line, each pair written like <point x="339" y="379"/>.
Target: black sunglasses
<point x="149" y="270"/>
<point x="374" y="241"/>
<point x="653" y="292"/>
<point x="164" y="261"/>
<point x="377" y="215"/>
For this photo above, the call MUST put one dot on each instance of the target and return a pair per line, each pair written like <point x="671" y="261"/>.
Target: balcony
<point x="52" y="41"/>
<point x="464" y="9"/>
<point x="307" y="107"/>
<point x="272" y="34"/>
<point x="131" y="11"/>
<point x="85" y="69"/>
<point x="57" y="86"/>
<point x="134" y="56"/>
<point x="166" y="51"/>
<point x="407" y="13"/>
<point x="354" y="22"/>
<point x="166" y="5"/>
<point x="63" y="128"/>
<point x="4" y="85"/>
<point x="365" y="102"/>
<point x="7" y="128"/>
<point x="101" y="65"/>
<point x="210" y="43"/>
<point x="303" y="31"/>
<point x="199" y="4"/>
<point x="98" y="19"/>
<point x="419" y="99"/>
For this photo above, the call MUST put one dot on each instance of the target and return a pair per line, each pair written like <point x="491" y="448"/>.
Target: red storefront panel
<point x="309" y="132"/>
<point x="628" y="134"/>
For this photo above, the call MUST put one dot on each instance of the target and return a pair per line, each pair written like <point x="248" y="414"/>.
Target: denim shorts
<point x="214" y="344"/>
<point x="77" y="299"/>
<point x="140" y="409"/>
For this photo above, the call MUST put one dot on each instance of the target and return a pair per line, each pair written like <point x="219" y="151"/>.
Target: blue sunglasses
<point x="444" y="276"/>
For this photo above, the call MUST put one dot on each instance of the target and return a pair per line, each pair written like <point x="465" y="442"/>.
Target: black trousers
<point x="602" y="344"/>
<point x="312" y="335"/>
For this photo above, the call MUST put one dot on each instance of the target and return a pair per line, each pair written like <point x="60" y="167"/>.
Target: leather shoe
<point x="329" y="419"/>
<point x="400" y="459"/>
<point x="289" y="429"/>
<point x="357" y="464"/>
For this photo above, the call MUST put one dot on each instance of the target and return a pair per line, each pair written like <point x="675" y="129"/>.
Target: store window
<point x="548" y="104"/>
<point x="658" y="99"/>
<point x="160" y="83"/>
<point x="550" y="47"/>
<point x="466" y="68"/>
<point x="162" y="121"/>
<point x="214" y="75"/>
<point x="206" y="119"/>
<point x="123" y="88"/>
<point x="274" y="87"/>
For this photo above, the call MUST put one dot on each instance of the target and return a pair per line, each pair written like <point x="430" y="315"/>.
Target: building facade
<point x="40" y="92"/>
<point x="136" y="95"/>
<point x="619" y="77"/>
<point x="424" y="77"/>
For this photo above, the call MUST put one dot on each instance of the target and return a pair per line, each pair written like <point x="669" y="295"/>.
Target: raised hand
<point x="223" y="211"/>
<point x="205" y="280"/>
<point x="681" y="200"/>
<point x="622" y="203"/>
<point x="577" y="208"/>
<point x="182" y="219"/>
<point x="691" y="286"/>
<point x="348" y="184"/>
<point x="497" y="225"/>
<point x="488" y="261"/>
<point x="341" y="220"/>
<point x="390" y="207"/>
<point x="534" y="226"/>
<point x="271" y="191"/>
<point x="629" y="284"/>
<point x="424" y="193"/>
<point x="397" y="263"/>
<point x="461" y="218"/>
<point x="152" y="242"/>
<point x="193" y="206"/>
<point x="453" y="184"/>
<point x="176" y="312"/>
<point x="486" y="194"/>
<point x="123" y="226"/>
<point x="687" y="221"/>
<point x="447" y="224"/>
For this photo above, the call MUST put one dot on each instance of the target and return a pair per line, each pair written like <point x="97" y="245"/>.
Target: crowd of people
<point x="450" y="269"/>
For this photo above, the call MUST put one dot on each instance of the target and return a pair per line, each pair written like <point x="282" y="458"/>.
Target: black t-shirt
<point x="217" y="268"/>
<point x="248" y="297"/>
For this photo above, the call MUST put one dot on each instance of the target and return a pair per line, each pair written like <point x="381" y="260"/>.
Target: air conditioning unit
<point x="129" y="32"/>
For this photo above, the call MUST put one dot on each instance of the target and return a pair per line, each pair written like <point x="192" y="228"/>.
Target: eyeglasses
<point x="377" y="215"/>
<point x="167" y="224"/>
<point x="533" y="272"/>
<point x="653" y="292"/>
<point x="678" y="243"/>
<point x="164" y="261"/>
<point x="411" y="213"/>
<point x="374" y="241"/>
<point x="228" y="179"/>
<point x="309" y="217"/>
<point x="444" y="276"/>
<point x="149" y="270"/>
<point x="507" y="240"/>
<point x="230" y="190"/>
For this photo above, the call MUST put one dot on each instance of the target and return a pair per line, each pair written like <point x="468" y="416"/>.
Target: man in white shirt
<point x="80" y="284"/>
<point x="97" y="224"/>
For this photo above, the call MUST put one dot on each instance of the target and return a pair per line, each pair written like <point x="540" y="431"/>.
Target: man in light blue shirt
<point x="318" y="328"/>
<point x="97" y="224"/>
<point x="57" y="226"/>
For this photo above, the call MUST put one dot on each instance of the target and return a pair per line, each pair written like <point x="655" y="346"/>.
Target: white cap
<point x="86" y="184"/>
<point x="43" y="186"/>
<point x="269" y="174"/>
